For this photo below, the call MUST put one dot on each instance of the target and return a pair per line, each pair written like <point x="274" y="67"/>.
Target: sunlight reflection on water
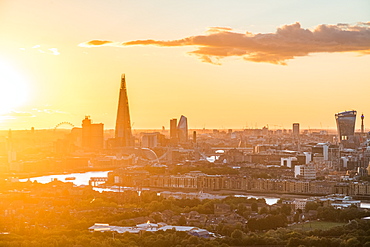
<point x="80" y="178"/>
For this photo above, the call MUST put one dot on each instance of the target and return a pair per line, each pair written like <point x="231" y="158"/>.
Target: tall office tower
<point x="12" y="155"/>
<point x="346" y="128"/>
<point x="182" y="129"/>
<point x="296" y="129"/>
<point x="123" y="134"/>
<point x="149" y="140"/>
<point x="173" y="130"/>
<point x="92" y="134"/>
<point x="362" y="124"/>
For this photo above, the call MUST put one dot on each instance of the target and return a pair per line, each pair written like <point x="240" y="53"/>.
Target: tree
<point x="182" y="221"/>
<point x="328" y="213"/>
<point x="263" y="210"/>
<point x="352" y="242"/>
<point x="237" y="234"/>
<point x="286" y="209"/>
<point x="311" y="206"/>
<point x="296" y="217"/>
<point x="254" y="207"/>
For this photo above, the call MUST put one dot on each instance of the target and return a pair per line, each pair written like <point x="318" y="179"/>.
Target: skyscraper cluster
<point x="179" y="132"/>
<point x="123" y="135"/>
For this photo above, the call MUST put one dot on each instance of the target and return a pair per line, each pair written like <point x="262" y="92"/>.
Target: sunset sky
<point x="223" y="64"/>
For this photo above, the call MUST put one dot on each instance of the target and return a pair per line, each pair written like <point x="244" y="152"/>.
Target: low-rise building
<point x="150" y="227"/>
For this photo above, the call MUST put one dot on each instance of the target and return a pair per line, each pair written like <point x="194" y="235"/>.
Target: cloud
<point x="288" y="42"/>
<point x="54" y="51"/>
<point x="49" y="111"/>
<point x="93" y="43"/>
<point x="50" y="51"/>
<point x="18" y="114"/>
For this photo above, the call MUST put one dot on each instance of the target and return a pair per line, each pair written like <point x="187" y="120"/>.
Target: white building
<point x="305" y="172"/>
<point x="287" y="162"/>
<point x="299" y="204"/>
<point x="308" y="157"/>
<point x="151" y="227"/>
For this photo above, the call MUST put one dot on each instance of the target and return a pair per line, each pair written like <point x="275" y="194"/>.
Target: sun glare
<point x="13" y="88"/>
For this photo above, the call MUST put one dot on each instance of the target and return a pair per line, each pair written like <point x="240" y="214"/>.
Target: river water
<point x="80" y="178"/>
<point x="83" y="179"/>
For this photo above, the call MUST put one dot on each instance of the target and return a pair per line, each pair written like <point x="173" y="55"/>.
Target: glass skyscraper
<point x="346" y="127"/>
<point x="123" y="135"/>
<point x="182" y="129"/>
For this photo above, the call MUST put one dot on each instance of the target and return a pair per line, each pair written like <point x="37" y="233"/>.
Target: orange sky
<point x="48" y="77"/>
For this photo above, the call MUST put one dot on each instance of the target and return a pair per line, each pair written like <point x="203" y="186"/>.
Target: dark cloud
<point x="288" y="42"/>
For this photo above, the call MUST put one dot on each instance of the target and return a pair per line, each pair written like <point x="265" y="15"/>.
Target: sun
<point x="13" y="88"/>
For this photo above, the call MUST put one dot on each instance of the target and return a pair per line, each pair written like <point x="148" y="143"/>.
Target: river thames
<point x="83" y="179"/>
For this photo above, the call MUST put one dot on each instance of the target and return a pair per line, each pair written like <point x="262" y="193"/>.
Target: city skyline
<point x="60" y="62"/>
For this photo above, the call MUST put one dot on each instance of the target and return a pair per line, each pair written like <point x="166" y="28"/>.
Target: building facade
<point x="92" y="134"/>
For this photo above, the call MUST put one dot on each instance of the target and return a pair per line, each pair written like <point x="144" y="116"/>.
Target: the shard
<point x="123" y="136"/>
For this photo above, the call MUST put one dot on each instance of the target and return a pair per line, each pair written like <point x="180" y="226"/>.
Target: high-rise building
<point x="296" y="129"/>
<point x="182" y="129"/>
<point x="149" y="140"/>
<point x="92" y="134"/>
<point x="173" y="130"/>
<point x="12" y="155"/>
<point x="362" y="124"/>
<point x="152" y="140"/>
<point x="123" y="136"/>
<point x="346" y="128"/>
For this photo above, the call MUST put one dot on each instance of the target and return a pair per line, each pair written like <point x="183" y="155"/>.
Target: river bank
<point x="82" y="178"/>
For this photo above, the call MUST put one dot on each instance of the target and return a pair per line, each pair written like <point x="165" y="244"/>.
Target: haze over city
<point x="184" y="123"/>
<point x="223" y="64"/>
